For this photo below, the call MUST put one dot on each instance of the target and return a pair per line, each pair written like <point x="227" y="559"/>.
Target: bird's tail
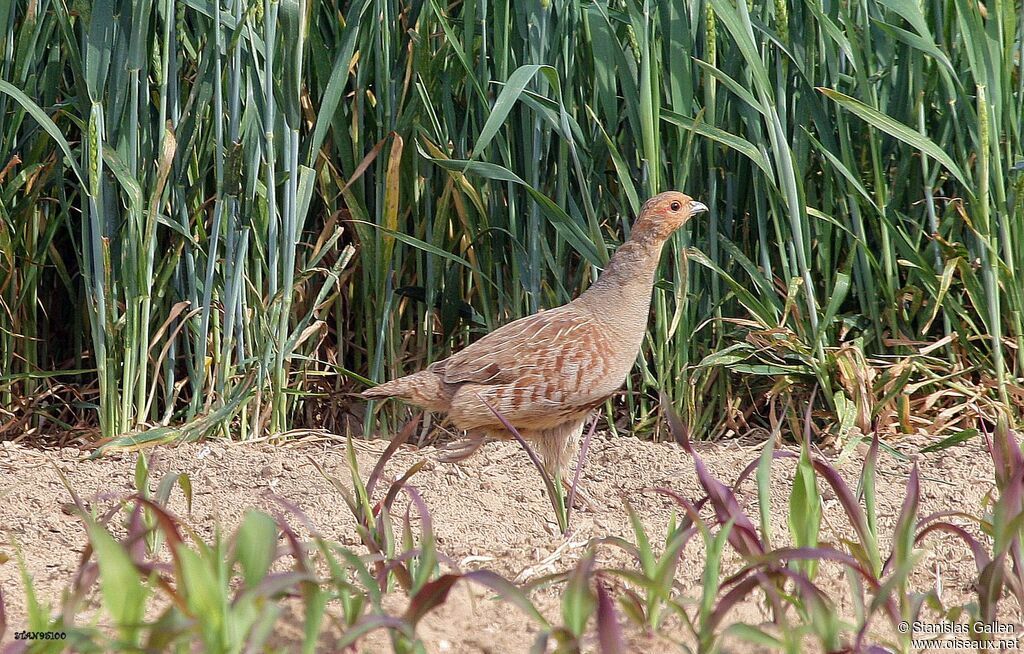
<point x="394" y="388"/>
<point x="424" y="389"/>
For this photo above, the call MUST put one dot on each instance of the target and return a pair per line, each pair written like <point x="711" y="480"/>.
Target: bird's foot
<point x="582" y="500"/>
<point x="459" y="450"/>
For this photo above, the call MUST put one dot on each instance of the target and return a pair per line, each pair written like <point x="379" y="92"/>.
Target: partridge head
<point x="666" y="212"/>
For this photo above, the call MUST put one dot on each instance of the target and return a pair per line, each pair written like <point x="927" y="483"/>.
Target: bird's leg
<point x="557" y="447"/>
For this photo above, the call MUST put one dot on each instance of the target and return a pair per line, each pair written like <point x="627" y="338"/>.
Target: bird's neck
<point x="624" y="288"/>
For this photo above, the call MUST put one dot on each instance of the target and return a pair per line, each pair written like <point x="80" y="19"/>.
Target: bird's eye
<point x="675" y="206"/>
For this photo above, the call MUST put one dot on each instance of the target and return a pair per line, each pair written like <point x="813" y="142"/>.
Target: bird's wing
<point x="558" y="345"/>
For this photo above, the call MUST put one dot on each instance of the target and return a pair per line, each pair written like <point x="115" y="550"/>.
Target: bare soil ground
<point x="488" y="512"/>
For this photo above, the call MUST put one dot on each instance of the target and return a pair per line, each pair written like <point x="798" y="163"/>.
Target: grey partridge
<point x="546" y="372"/>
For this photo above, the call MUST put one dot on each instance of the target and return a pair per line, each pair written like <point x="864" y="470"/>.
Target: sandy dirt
<point x="487" y="512"/>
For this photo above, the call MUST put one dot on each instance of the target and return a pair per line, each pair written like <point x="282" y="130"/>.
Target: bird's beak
<point x="697" y="207"/>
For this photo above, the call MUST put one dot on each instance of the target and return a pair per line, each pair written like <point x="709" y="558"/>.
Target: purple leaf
<point x="396" y="442"/>
<point x="548" y="483"/>
<point x="743" y="537"/>
<point x="752" y="466"/>
<point x="675" y="424"/>
<point x="432" y="595"/>
<point x="779" y="558"/>
<point x="580" y="461"/>
<point x="990" y="587"/>
<point x="3" y="614"/>
<point x="981" y="557"/>
<point x="847" y="499"/>
<point x="609" y="631"/>
<point x="692" y="510"/>
<point x="396" y="487"/>
<point x="508" y="592"/>
<point x="735" y="595"/>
